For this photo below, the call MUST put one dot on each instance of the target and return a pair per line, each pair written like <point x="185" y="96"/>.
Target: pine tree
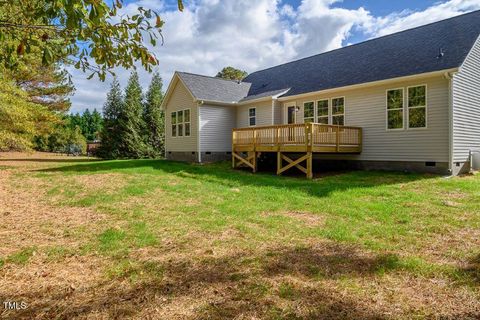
<point x="109" y="135"/>
<point x="86" y="126"/>
<point x="131" y="124"/>
<point x="154" y="118"/>
<point x="97" y="124"/>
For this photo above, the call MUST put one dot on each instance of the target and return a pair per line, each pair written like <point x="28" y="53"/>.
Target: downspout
<point x="199" y="132"/>
<point x="449" y="76"/>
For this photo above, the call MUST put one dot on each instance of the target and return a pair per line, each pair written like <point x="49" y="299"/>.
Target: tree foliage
<point x="49" y="86"/>
<point x="133" y="127"/>
<point x="230" y="73"/>
<point x="92" y="34"/>
<point x="131" y="124"/>
<point x="154" y="118"/>
<point x="110" y="146"/>
<point x="90" y="124"/>
<point x="20" y="119"/>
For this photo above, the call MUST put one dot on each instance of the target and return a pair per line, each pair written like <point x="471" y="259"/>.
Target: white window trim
<point x="303" y="109"/>
<point x="426" y="107"/>
<point x="403" y="109"/>
<point x="250" y="117"/>
<point x="176" y="125"/>
<point x="329" y="111"/>
<point x="344" y="110"/>
<point x="189" y="122"/>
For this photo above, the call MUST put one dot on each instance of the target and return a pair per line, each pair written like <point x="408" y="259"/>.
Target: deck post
<point x="309" y="166"/>
<point x="254" y="161"/>
<point x="338" y="138"/>
<point x="279" y="162"/>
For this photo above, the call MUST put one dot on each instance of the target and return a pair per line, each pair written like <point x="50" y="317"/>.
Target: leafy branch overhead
<point x="89" y="34"/>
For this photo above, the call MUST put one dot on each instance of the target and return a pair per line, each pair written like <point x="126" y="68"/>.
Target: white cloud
<point x="250" y="35"/>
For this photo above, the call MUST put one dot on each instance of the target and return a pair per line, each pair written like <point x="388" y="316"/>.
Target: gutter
<point x="367" y="84"/>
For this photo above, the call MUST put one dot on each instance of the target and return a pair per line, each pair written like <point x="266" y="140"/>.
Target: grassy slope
<point x="353" y="228"/>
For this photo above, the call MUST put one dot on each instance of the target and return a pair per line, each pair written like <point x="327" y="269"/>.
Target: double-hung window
<point x="338" y="111"/>
<point x="322" y="111"/>
<point x="174" y="124"/>
<point x="252" y="117"/>
<point x="308" y="112"/>
<point x="181" y="123"/>
<point x="186" y="125"/>
<point x="395" y="109"/>
<point x="417" y="107"/>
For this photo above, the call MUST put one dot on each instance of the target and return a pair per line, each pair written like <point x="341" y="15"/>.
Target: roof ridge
<point x="368" y="40"/>
<point x="210" y="77"/>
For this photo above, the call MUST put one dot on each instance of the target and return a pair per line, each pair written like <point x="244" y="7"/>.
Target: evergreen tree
<point x="97" y="124"/>
<point x="109" y="135"/>
<point x="131" y="124"/>
<point x="154" y="118"/>
<point x="86" y="127"/>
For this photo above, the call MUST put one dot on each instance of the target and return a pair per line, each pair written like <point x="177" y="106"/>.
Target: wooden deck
<point x="309" y="138"/>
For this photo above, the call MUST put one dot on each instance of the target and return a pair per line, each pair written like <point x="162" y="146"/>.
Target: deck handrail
<point x="308" y="135"/>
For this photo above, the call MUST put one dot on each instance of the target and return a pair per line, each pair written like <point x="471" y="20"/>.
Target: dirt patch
<point x="308" y="218"/>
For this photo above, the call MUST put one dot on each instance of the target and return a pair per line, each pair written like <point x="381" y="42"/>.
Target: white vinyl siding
<point x="466" y="107"/>
<point x="216" y="124"/>
<point x="263" y="114"/>
<point x="365" y="108"/>
<point x="181" y="100"/>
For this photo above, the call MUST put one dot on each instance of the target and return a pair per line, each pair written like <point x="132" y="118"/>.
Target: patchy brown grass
<point x="68" y="259"/>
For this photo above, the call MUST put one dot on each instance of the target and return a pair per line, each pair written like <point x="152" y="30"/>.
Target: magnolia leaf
<point x="21" y="49"/>
<point x="180" y="5"/>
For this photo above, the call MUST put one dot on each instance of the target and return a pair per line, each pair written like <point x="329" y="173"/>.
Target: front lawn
<point x="177" y="241"/>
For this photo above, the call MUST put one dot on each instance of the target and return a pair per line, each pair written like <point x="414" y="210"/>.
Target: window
<point x="395" y="109"/>
<point x="252" y="116"/>
<point x="186" y="119"/>
<point x="174" y="124"/>
<point x="338" y="111"/>
<point x="308" y="112"/>
<point x="417" y="107"/>
<point x="181" y="123"/>
<point x="322" y="111"/>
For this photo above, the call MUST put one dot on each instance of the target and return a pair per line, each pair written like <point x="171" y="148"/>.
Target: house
<point x="405" y="101"/>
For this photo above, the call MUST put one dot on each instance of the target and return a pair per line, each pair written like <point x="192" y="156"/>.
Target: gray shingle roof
<point x="263" y="95"/>
<point x="410" y="52"/>
<point x="214" y="89"/>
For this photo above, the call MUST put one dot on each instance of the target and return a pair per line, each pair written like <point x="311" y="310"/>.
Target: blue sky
<point x="255" y="34"/>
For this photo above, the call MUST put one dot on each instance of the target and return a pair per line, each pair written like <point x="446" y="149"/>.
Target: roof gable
<point x="214" y="89"/>
<point x="406" y="53"/>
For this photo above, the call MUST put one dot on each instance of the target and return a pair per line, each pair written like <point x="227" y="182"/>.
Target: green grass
<point x="263" y="238"/>
<point x="21" y="257"/>
<point x="374" y="209"/>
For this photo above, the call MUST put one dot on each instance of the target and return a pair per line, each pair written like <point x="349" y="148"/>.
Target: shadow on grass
<point x="223" y="174"/>
<point x="472" y="270"/>
<point x="283" y="282"/>
<point x="240" y="285"/>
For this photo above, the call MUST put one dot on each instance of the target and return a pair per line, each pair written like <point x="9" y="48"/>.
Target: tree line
<point x="133" y="123"/>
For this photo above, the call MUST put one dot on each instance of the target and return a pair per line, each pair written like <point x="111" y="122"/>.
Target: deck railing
<point x="311" y="136"/>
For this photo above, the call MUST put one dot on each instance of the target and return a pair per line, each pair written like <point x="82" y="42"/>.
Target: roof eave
<point x="367" y="84"/>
